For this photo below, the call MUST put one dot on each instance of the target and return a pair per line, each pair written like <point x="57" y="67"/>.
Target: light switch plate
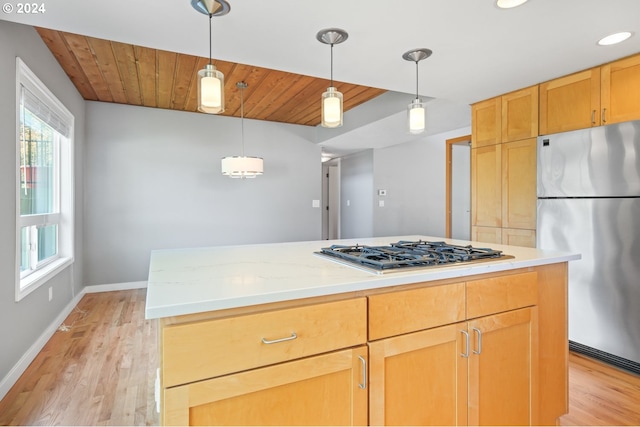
<point x="315" y="203"/>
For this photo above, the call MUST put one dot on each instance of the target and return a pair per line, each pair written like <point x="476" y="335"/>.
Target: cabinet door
<point x="503" y="369"/>
<point x="486" y="186"/>
<point x="419" y="379"/>
<point x="329" y="389"/>
<point x="485" y="122"/>
<point x="486" y="234"/>
<point x="570" y="102"/>
<point x="621" y="90"/>
<point x="519" y="237"/>
<point x="520" y="114"/>
<point x="519" y="184"/>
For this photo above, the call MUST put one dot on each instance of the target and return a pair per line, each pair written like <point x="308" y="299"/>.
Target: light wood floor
<point x="101" y="372"/>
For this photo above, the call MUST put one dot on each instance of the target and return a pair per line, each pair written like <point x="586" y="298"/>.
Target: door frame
<point x="466" y="139"/>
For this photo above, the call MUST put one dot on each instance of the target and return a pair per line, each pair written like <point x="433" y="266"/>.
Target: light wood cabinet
<point x="486" y="234"/>
<point x="510" y="117"/>
<point x="486" y="122"/>
<point x="419" y="379"/>
<point x="520" y="114"/>
<point x="503" y="358"/>
<point x="517" y="237"/>
<point x="329" y="389"/>
<point x="570" y="102"/>
<point x="519" y="195"/>
<point x="462" y="372"/>
<point x="503" y="165"/>
<point x="486" y="186"/>
<point x="192" y="350"/>
<point x="620" y="100"/>
<point x="415" y="309"/>
<point x="598" y="96"/>
<point x="437" y="353"/>
<point x="503" y="191"/>
<point x="216" y="371"/>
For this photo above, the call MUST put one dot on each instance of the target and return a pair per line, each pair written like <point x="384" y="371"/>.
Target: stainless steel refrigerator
<point x="589" y="202"/>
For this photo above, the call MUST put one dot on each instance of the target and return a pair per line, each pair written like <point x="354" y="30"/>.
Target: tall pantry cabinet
<point x="503" y="168"/>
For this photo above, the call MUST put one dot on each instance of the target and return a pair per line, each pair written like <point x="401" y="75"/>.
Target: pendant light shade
<point x="416" y="115"/>
<point x="331" y="106"/>
<point x="210" y="90"/>
<point x="416" y="112"/>
<point x="210" y="80"/>
<point x="242" y="166"/>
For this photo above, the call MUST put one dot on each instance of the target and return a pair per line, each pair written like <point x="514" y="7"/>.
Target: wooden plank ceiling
<point x="108" y="71"/>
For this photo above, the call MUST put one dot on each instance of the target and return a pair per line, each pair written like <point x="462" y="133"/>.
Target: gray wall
<point x="356" y="195"/>
<point x="414" y="175"/>
<point x="22" y="323"/>
<point x="153" y="181"/>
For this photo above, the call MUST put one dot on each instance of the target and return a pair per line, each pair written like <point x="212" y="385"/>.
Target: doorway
<point x="331" y="200"/>
<point x="458" y="192"/>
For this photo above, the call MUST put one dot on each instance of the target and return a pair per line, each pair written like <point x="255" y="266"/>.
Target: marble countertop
<point x="187" y="281"/>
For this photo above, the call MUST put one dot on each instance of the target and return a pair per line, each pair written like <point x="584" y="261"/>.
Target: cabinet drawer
<point x="207" y="349"/>
<point x="503" y="293"/>
<point x="401" y="312"/>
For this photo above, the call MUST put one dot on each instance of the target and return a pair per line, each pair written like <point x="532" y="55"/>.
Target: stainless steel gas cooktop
<point x="404" y="255"/>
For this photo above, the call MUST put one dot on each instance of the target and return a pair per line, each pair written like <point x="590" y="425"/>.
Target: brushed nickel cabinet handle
<point x="466" y="345"/>
<point x="363" y="384"/>
<point x="292" y="337"/>
<point x="479" y="341"/>
<point x="593" y="117"/>
<point x="604" y="115"/>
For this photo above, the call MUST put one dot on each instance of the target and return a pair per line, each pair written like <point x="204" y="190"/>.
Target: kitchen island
<point x="275" y="334"/>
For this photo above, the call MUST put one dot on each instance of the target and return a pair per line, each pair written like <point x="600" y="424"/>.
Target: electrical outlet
<point x="50" y="293"/>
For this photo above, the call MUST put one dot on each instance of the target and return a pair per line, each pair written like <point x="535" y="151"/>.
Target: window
<point x="44" y="212"/>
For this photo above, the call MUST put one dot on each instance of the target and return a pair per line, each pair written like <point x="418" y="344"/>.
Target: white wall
<point x="356" y="195"/>
<point x="153" y="181"/>
<point x="414" y="176"/>
<point x="22" y="323"/>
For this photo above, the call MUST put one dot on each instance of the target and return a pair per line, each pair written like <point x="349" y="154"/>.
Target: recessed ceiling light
<point x="508" y="4"/>
<point x="614" y="38"/>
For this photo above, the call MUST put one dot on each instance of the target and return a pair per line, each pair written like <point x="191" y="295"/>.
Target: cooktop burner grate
<point x="406" y="254"/>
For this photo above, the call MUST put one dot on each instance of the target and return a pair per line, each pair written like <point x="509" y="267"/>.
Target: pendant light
<point x="331" y="99"/>
<point x="416" y="114"/>
<point x="210" y="80"/>
<point x="242" y="166"/>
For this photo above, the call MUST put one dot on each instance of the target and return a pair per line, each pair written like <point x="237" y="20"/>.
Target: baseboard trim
<point x="18" y="369"/>
<point x="114" y="287"/>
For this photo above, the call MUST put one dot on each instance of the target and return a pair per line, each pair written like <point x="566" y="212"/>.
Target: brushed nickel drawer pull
<point x="466" y="345"/>
<point x="479" y="342"/>
<point x="363" y="384"/>
<point x="292" y="337"/>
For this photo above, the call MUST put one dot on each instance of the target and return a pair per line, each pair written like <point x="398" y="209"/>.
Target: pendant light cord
<point x="331" y="64"/>
<point x="242" y="117"/>
<point x="210" y="41"/>
<point x="417" y="80"/>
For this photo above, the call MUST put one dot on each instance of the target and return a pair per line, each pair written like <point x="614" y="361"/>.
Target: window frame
<point x="63" y="215"/>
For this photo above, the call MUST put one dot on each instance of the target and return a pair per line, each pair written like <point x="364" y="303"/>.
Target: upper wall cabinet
<point x="570" y="102"/>
<point x="520" y="114"/>
<point x="620" y="100"/>
<point x="486" y="122"/>
<point x="599" y="96"/>
<point x="506" y="118"/>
